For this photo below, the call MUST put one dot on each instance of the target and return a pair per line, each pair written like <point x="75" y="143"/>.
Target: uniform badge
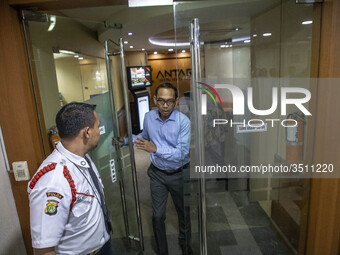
<point x="54" y="194"/>
<point x="51" y="207"/>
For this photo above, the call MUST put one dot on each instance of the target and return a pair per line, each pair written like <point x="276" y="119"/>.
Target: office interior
<point x="56" y="52"/>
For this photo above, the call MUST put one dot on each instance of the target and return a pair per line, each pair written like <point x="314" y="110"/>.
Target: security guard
<point x="67" y="206"/>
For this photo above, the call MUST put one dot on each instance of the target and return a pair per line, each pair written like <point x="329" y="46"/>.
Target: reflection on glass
<point x="69" y="65"/>
<point x="261" y="46"/>
<point x="79" y="79"/>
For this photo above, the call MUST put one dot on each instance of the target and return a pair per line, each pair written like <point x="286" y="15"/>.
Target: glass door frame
<point x="198" y="134"/>
<point x="27" y="16"/>
<point x="140" y="238"/>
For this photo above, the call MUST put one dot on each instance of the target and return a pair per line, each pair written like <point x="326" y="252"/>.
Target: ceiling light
<point x="246" y="41"/>
<point x="227" y="46"/>
<point x="222" y="46"/>
<point x="53" y="21"/>
<point x="131" y="47"/>
<point x="67" y="52"/>
<point x="76" y="56"/>
<point x="126" y="42"/>
<point x="236" y="29"/>
<point x="254" y="35"/>
<point x="267" y="34"/>
<point x="230" y="46"/>
<point x="143" y="49"/>
<point x="183" y="51"/>
<point x="170" y="49"/>
<point x="155" y="52"/>
<point x="307" y="22"/>
<point x="144" y="3"/>
<point x="80" y="58"/>
<point x="241" y="39"/>
<point x="129" y="33"/>
<point x="168" y="44"/>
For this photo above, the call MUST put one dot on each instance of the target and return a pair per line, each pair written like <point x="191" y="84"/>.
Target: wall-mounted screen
<point x="143" y="108"/>
<point x="139" y="77"/>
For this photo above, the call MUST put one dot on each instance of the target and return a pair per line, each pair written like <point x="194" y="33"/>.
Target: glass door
<point x="248" y="57"/>
<point x="68" y="63"/>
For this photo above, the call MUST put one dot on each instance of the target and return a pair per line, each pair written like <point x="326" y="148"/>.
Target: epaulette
<point x="67" y="176"/>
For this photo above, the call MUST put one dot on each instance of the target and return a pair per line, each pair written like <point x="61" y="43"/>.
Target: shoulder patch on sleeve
<point x="51" y="207"/>
<point x="41" y="172"/>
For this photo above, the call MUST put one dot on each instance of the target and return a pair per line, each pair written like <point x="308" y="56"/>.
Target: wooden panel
<point x="170" y="68"/>
<point x="18" y="117"/>
<point x="324" y="217"/>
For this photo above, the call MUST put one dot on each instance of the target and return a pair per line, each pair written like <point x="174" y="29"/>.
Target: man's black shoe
<point x="186" y="249"/>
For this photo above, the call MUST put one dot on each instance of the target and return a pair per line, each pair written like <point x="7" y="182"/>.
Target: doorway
<point x="248" y="44"/>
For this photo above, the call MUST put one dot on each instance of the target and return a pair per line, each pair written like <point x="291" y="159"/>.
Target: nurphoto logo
<point x="239" y="104"/>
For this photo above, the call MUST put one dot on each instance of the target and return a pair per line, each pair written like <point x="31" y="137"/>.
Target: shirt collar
<point x="79" y="161"/>
<point x="172" y="116"/>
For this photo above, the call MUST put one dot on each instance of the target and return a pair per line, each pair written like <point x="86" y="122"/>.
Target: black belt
<point x="170" y="172"/>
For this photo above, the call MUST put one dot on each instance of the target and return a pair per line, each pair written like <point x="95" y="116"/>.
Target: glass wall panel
<point x="253" y="54"/>
<point x="69" y="62"/>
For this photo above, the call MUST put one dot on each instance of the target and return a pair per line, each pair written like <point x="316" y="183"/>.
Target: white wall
<point x="11" y="241"/>
<point x="69" y="79"/>
<point x="228" y="65"/>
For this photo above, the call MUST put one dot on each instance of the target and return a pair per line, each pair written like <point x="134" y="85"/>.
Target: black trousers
<point x="105" y="250"/>
<point x="161" y="184"/>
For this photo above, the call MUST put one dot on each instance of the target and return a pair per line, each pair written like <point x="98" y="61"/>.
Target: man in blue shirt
<point x="166" y="135"/>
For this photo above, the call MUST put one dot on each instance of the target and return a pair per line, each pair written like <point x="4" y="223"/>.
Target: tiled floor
<point x="235" y="225"/>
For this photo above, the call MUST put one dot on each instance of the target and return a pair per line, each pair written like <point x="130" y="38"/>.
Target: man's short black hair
<point x="73" y="117"/>
<point x="167" y="86"/>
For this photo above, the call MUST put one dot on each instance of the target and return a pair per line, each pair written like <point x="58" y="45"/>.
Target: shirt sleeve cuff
<point x="45" y="244"/>
<point x="126" y="141"/>
<point x="158" y="152"/>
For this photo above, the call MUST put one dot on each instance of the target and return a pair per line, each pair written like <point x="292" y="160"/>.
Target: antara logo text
<point x="238" y="104"/>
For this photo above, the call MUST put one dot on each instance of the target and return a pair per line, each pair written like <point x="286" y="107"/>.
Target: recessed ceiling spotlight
<point x="126" y="42"/>
<point x="170" y="49"/>
<point x="129" y="33"/>
<point x="143" y="49"/>
<point x="307" y="22"/>
<point x="183" y="51"/>
<point x="236" y="29"/>
<point x="254" y="35"/>
<point x="131" y="47"/>
<point x="246" y="41"/>
<point x="267" y="34"/>
<point x="155" y="52"/>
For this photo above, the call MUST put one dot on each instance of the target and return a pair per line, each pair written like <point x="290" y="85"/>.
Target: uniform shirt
<point x="171" y="137"/>
<point x="80" y="231"/>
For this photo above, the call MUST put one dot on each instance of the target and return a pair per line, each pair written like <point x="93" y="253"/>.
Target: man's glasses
<point x="169" y="102"/>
